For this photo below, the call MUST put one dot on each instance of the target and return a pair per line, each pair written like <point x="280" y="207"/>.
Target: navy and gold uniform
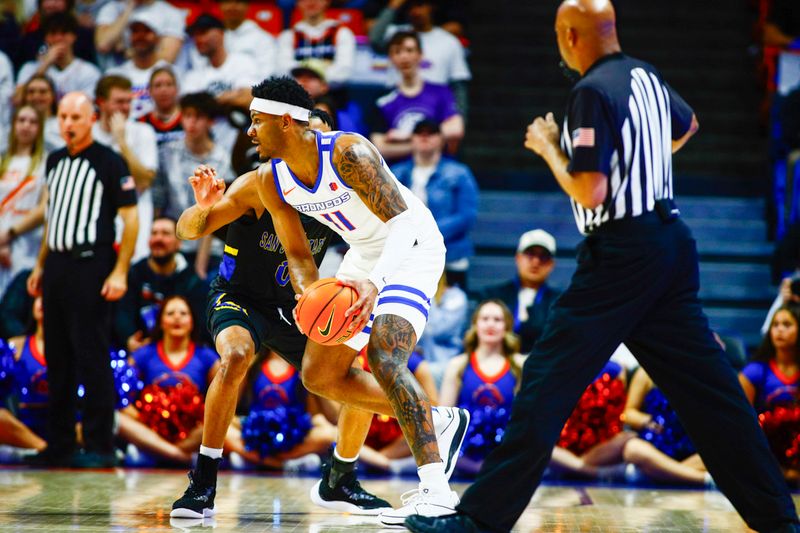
<point x="253" y="289"/>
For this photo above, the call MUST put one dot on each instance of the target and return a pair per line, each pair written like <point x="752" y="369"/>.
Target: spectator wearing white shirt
<point x="244" y="36"/>
<point x="114" y="18"/>
<point x="178" y="159"/>
<point x="40" y="93"/>
<point x="144" y="60"/>
<point x="22" y="202"/>
<point x="135" y="142"/>
<point x="444" y="58"/>
<point x="318" y="38"/>
<point x="69" y="73"/>
<point x="227" y="77"/>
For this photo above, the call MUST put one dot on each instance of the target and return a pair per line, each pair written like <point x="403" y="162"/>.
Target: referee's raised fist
<point x="542" y="133"/>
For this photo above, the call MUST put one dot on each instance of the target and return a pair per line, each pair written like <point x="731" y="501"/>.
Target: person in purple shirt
<point x="411" y="101"/>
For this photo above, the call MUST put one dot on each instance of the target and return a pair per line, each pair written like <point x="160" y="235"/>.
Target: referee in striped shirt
<point x="636" y="282"/>
<point x="78" y="275"/>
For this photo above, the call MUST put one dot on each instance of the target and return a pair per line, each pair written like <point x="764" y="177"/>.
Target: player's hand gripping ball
<point x="320" y="312"/>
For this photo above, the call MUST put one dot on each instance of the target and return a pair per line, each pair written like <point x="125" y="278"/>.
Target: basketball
<point x="320" y="311"/>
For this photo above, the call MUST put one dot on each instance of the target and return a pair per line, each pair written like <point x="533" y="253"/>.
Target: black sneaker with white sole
<point x="347" y="495"/>
<point x="196" y="502"/>
<point x="450" y="425"/>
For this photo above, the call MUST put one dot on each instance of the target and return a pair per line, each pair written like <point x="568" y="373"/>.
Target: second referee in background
<point x="78" y="275"/>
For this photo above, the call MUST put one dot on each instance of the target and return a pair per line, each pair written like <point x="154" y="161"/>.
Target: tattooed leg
<point x="390" y="344"/>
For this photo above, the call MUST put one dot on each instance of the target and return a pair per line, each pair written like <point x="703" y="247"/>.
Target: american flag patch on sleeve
<point x="127" y="183"/>
<point x="583" y="137"/>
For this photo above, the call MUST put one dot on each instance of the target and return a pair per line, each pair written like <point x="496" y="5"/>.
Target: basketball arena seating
<point x="734" y="274"/>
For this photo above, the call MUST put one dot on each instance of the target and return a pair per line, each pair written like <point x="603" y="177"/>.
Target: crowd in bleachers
<point x="171" y="85"/>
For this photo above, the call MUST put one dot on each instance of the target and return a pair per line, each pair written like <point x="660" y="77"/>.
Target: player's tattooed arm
<point x="360" y="167"/>
<point x="391" y="342"/>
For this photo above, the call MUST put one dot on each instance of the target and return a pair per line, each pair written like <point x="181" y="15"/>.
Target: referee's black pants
<point x="77" y="326"/>
<point x="636" y="282"/>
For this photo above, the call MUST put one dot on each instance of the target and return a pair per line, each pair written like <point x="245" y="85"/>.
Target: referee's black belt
<point x="664" y="212"/>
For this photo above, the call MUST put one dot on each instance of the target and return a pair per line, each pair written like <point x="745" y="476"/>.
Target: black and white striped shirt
<point x="621" y="119"/>
<point x="85" y="191"/>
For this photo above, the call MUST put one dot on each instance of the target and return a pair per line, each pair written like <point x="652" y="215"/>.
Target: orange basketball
<point x="320" y="311"/>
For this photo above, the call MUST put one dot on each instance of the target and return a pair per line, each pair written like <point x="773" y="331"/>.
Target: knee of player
<point x="314" y="380"/>
<point x="237" y="357"/>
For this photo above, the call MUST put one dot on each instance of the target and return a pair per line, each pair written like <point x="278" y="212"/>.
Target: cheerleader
<point x="174" y="358"/>
<point x="596" y="459"/>
<point x="675" y="459"/>
<point x="277" y="384"/>
<point x="773" y="378"/>
<point x="28" y="429"/>
<point x="487" y="374"/>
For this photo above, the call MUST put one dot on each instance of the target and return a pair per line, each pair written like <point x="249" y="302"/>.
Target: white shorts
<point x="408" y="291"/>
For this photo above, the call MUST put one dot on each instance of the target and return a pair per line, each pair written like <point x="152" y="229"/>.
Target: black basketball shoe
<point x="196" y="502"/>
<point x="347" y="495"/>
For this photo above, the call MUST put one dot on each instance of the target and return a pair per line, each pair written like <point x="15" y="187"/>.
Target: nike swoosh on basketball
<point x="290" y="190"/>
<point x="327" y="330"/>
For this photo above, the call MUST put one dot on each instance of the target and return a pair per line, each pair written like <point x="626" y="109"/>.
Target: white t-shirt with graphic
<point x="235" y="73"/>
<point x="20" y="192"/>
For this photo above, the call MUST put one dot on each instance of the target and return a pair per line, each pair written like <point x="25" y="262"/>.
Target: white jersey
<point x="334" y="203"/>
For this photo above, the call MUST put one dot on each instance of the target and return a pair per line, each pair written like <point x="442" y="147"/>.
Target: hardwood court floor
<point x="135" y="500"/>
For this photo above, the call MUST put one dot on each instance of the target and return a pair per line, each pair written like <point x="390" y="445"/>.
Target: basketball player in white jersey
<point x="395" y="260"/>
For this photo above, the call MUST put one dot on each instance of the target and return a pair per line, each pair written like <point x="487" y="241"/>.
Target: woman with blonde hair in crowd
<point x="40" y="92"/>
<point x="485" y="377"/>
<point x="22" y="202"/>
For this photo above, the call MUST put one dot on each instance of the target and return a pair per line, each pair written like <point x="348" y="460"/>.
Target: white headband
<point x="271" y="107"/>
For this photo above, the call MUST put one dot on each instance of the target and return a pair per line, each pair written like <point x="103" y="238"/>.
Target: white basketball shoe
<point x="450" y="425"/>
<point x="421" y="501"/>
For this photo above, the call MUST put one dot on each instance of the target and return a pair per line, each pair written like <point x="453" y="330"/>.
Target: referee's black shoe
<point x="451" y="523"/>
<point x="347" y="495"/>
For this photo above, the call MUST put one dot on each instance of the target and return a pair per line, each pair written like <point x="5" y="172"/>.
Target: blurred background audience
<point x="171" y="86"/>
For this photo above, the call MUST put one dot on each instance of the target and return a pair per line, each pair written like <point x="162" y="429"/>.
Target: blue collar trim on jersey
<point x="319" y="171"/>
